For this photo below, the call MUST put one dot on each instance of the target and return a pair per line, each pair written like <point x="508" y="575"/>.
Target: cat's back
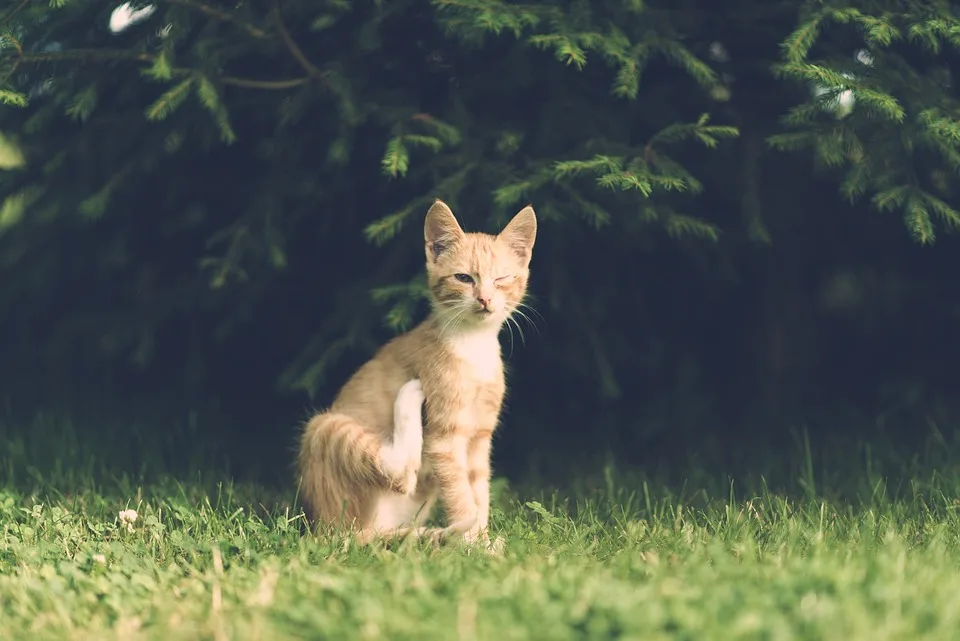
<point x="368" y="396"/>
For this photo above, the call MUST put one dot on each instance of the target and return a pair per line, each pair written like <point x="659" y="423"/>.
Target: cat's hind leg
<point x="342" y="462"/>
<point x="433" y="535"/>
<point x="343" y="465"/>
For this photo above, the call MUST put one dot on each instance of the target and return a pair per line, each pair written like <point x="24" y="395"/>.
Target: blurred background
<point x="211" y="214"/>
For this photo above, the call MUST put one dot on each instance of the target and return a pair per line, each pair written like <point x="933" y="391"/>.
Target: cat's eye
<point x="503" y="280"/>
<point x="464" y="278"/>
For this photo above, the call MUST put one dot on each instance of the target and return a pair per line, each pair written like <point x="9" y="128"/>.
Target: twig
<point x="13" y="11"/>
<point x="265" y="84"/>
<point x="219" y="14"/>
<point x="105" y="55"/>
<point x="86" y="54"/>
<point x="294" y="48"/>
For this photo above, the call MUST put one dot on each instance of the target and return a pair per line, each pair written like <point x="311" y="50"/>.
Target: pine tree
<point x="214" y="169"/>
<point x="881" y="107"/>
<point x="97" y="119"/>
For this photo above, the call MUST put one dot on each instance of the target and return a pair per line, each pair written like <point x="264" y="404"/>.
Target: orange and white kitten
<point x="367" y="462"/>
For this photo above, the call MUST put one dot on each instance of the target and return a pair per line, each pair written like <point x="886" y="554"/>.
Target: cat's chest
<point x="472" y="389"/>
<point x="476" y="358"/>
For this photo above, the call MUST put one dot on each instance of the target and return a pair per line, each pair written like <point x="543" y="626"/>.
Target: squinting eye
<point x="463" y="278"/>
<point x="503" y="280"/>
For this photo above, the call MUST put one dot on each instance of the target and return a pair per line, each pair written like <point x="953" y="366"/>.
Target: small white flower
<point x="128" y="518"/>
<point x="99" y="558"/>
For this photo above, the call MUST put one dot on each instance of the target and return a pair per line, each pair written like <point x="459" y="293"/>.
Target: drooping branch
<point x="219" y="14"/>
<point x="84" y="55"/>
<point x="276" y="85"/>
<point x="108" y="55"/>
<point x="14" y="11"/>
<point x="294" y="48"/>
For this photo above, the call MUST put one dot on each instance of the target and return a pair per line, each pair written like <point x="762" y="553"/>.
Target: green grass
<point x="873" y="556"/>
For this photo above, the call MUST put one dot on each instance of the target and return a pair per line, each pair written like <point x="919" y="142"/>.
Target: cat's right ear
<point x="440" y="230"/>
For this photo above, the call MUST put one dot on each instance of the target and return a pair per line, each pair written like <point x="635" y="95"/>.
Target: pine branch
<point x="11" y="156"/>
<point x="15" y="205"/>
<point x="326" y="20"/>
<point x="446" y="132"/>
<point x="792" y="140"/>
<point x="696" y="68"/>
<point x="83" y="103"/>
<point x="210" y="98"/>
<point x="107" y="55"/>
<point x="891" y="198"/>
<point x="160" y="69"/>
<point x="84" y="55"/>
<point x="798" y="43"/>
<point x="169" y="101"/>
<point x="678" y="225"/>
<point x="396" y="159"/>
<point x="593" y="213"/>
<point x="515" y="192"/>
<point x="292" y="46"/>
<point x="856" y="182"/>
<point x="700" y="130"/>
<point x="383" y="229"/>
<point x="223" y="16"/>
<point x="565" y="48"/>
<point x="627" y="82"/>
<point x="878" y="32"/>
<point x="945" y="212"/>
<point x="917" y="218"/>
<point x="9" y="15"/>
<point x="13" y="98"/>
<point x="270" y="85"/>
<point x="492" y="16"/>
<point x="566" y="168"/>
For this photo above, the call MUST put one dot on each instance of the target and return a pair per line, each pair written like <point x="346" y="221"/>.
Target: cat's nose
<point x="484" y="300"/>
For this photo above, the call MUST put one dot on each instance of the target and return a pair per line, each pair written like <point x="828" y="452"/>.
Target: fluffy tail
<point x="339" y="464"/>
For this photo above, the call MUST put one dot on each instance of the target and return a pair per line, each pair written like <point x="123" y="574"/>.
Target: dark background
<point x="649" y="347"/>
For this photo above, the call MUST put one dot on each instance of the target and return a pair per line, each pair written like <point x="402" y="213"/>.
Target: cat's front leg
<point x="478" y="471"/>
<point x="478" y="459"/>
<point x="446" y="450"/>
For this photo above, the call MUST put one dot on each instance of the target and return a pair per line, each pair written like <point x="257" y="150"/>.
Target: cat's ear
<point x="440" y="230"/>
<point x="520" y="233"/>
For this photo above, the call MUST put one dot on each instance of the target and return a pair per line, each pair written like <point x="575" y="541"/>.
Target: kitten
<point x="367" y="462"/>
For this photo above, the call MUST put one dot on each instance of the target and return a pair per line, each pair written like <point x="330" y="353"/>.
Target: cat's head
<point x="476" y="279"/>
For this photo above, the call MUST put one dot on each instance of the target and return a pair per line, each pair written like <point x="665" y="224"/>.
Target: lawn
<point x="616" y="556"/>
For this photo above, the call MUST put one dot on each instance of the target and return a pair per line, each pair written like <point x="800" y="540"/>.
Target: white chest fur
<point x="479" y="353"/>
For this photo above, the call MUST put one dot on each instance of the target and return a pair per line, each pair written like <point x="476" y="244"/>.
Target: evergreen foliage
<point x="217" y="166"/>
<point x="899" y="144"/>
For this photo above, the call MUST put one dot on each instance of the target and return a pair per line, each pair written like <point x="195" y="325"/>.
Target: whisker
<point x="523" y="337"/>
<point x="456" y="315"/>
<point x="519" y="312"/>
<point x="531" y="309"/>
<point x="510" y="329"/>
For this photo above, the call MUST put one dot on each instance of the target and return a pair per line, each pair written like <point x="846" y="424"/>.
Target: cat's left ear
<point x="440" y="230"/>
<point x="520" y="234"/>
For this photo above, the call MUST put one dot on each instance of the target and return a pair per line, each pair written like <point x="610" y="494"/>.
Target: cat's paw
<point x="496" y="546"/>
<point x="402" y="458"/>
<point x="407" y="416"/>
<point x="431" y="536"/>
<point x="481" y="541"/>
<point x="401" y="471"/>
